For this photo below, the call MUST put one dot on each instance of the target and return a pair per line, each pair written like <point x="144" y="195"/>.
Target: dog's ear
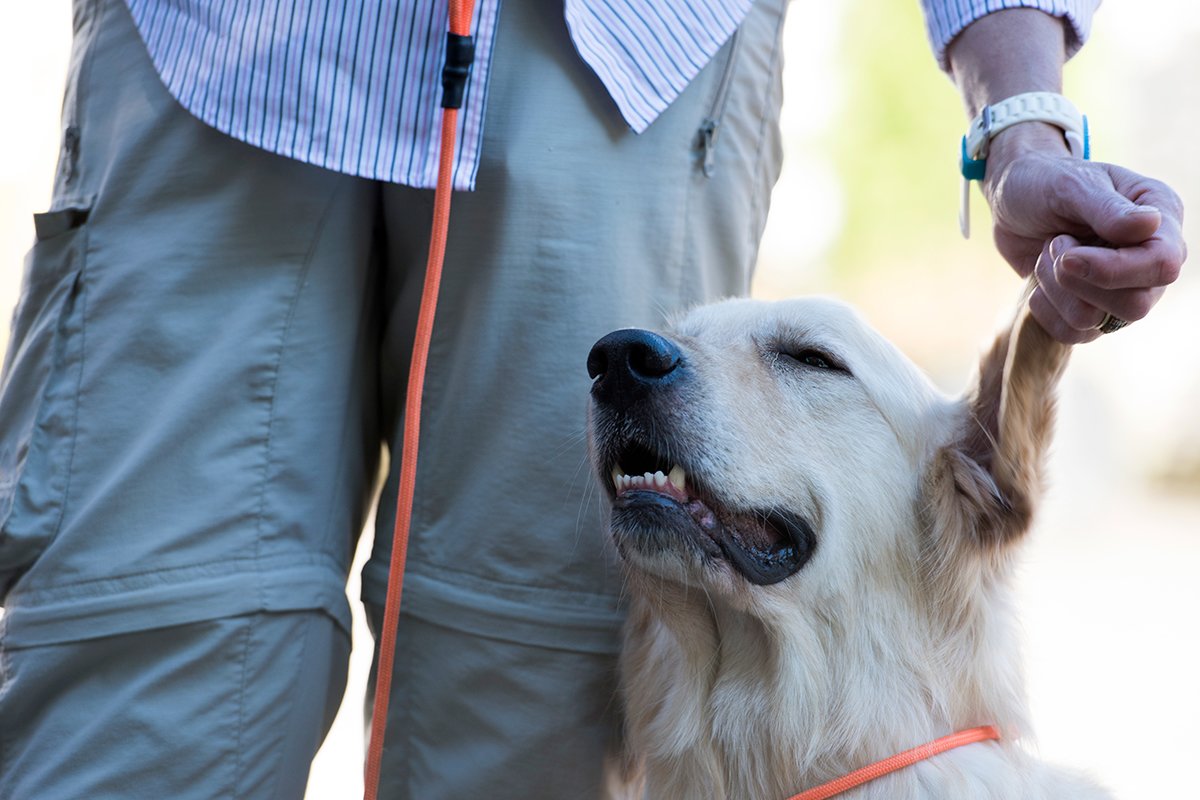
<point x="982" y="487"/>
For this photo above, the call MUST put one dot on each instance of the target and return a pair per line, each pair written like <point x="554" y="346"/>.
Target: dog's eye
<point x="813" y="358"/>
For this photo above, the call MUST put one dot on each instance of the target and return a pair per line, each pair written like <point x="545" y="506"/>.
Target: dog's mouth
<point x="658" y="504"/>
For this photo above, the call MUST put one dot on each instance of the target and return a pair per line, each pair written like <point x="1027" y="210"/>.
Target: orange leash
<point x="898" y="762"/>
<point x="459" y="53"/>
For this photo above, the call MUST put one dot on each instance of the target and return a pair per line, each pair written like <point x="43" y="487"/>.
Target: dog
<point x="818" y="546"/>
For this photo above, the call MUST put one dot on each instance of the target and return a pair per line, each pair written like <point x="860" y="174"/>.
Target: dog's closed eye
<point x="809" y="357"/>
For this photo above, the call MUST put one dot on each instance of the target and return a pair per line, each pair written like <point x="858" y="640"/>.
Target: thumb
<point x="1111" y="215"/>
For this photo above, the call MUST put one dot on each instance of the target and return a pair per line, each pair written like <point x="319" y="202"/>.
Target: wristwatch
<point x="1028" y="107"/>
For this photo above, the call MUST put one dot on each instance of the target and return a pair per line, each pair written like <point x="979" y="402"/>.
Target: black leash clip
<point x="460" y="54"/>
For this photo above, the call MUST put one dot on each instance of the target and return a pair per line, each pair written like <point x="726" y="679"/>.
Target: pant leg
<point x="229" y="708"/>
<point x="188" y="414"/>
<point x="470" y="712"/>
<point x="188" y="438"/>
<point x="506" y="664"/>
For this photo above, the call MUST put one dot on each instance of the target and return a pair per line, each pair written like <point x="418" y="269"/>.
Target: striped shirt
<point x="355" y="85"/>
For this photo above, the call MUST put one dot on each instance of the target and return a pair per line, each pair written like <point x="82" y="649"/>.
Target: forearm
<point x="1007" y="53"/>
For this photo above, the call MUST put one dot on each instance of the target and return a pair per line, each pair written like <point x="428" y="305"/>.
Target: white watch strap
<point x="1028" y="107"/>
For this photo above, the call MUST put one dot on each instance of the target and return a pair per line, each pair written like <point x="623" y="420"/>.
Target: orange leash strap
<point x="898" y="762"/>
<point x="459" y="54"/>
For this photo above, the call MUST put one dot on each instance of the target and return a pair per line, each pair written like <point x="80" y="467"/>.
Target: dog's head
<point x="792" y="497"/>
<point x="756" y="442"/>
<point x="777" y="449"/>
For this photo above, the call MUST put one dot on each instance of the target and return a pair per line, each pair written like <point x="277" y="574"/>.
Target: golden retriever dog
<point x="818" y="547"/>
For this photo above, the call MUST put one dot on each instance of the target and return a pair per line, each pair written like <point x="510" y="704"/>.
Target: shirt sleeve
<point x="945" y="19"/>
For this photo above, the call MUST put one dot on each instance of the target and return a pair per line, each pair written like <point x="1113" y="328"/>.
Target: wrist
<point x="1031" y="125"/>
<point x="1041" y="122"/>
<point x="1023" y="139"/>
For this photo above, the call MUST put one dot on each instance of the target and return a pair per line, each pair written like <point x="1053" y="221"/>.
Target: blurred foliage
<point x="895" y="142"/>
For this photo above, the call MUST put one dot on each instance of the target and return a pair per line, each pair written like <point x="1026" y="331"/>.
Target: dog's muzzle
<point x="660" y="503"/>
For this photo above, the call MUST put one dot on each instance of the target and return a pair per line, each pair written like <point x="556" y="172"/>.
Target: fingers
<point x="1049" y="317"/>
<point x="1039" y="196"/>
<point x="1071" y="307"/>
<point x="1156" y="261"/>
<point x="1066" y="317"/>
<point x="1145" y="191"/>
<point x="1115" y="204"/>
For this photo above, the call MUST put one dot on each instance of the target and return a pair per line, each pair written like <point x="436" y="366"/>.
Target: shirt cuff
<point x="945" y="19"/>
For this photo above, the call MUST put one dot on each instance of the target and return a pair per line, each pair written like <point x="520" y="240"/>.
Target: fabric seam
<point x="431" y="571"/>
<point x="306" y="627"/>
<point x="241" y="707"/>
<point x="762" y="127"/>
<point x="82" y="300"/>
<point x="41" y="592"/>
<point x="285" y="332"/>
<point x="83" y="234"/>
<point x="6" y="735"/>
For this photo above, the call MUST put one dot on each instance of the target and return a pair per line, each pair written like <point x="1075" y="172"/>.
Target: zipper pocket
<point x="710" y="128"/>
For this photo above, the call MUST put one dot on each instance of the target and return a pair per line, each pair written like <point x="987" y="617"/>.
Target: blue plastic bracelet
<point x="972" y="169"/>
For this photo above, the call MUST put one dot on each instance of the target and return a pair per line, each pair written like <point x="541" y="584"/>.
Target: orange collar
<point x="898" y="762"/>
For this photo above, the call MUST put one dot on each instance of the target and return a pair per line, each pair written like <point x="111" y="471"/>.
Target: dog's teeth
<point x="648" y="480"/>
<point x="678" y="477"/>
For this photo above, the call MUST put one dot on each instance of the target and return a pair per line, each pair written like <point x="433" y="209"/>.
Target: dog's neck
<point x="724" y="704"/>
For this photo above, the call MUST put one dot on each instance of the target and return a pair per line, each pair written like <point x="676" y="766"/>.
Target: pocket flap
<point x="52" y="223"/>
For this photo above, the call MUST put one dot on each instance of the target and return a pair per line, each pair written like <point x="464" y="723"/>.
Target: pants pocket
<point x="38" y="388"/>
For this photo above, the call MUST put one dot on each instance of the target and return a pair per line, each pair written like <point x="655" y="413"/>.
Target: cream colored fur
<point x="900" y="629"/>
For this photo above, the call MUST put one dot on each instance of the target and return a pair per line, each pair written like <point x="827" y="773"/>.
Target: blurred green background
<point x="867" y="209"/>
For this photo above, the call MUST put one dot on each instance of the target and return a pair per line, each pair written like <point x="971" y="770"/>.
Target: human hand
<point x="1102" y="239"/>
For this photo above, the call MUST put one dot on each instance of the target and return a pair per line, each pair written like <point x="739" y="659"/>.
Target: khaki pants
<point x="208" y="354"/>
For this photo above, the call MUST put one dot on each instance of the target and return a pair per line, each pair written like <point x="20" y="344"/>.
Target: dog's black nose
<point x="628" y="363"/>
